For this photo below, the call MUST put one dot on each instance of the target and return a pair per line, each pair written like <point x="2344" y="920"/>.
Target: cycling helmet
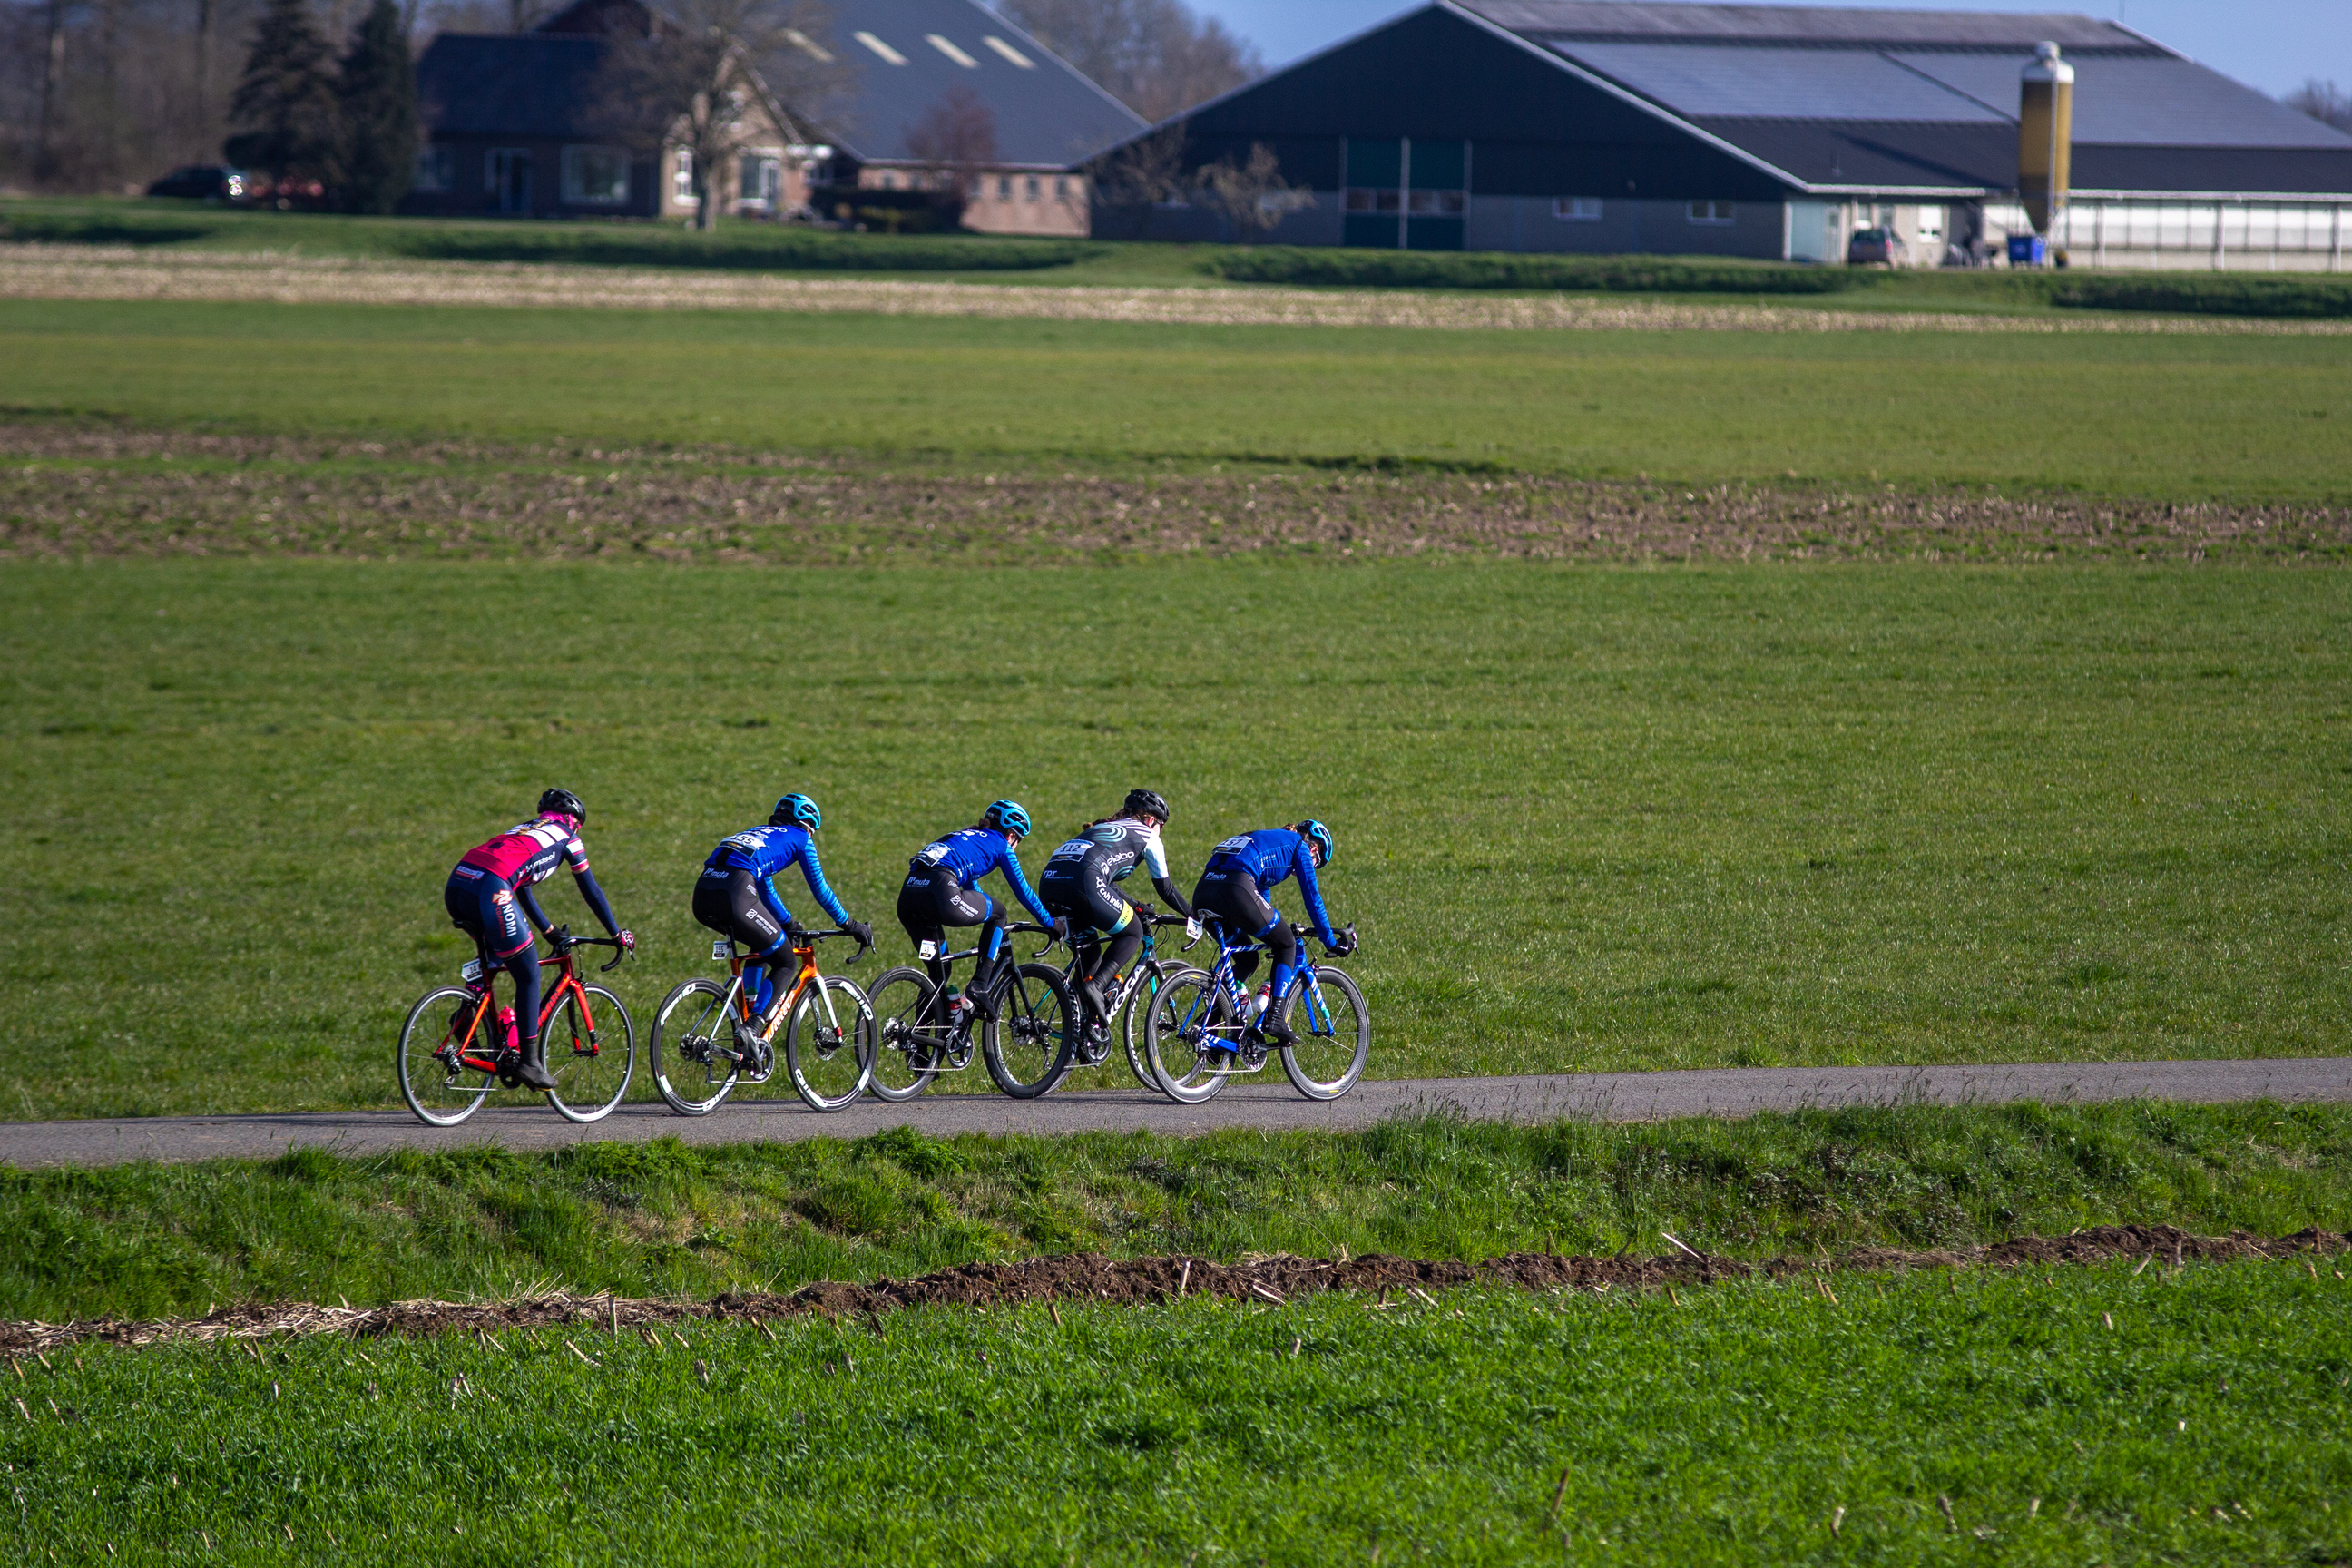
<point x="1314" y="832"/>
<point x="1139" y="801"/>
<point x="1006" y="816"/>
<point x="796" y="810"/>
<point x="563" y="803"/>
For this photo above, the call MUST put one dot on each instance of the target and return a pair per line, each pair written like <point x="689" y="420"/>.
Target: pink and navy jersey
<point x="529" y="852"/>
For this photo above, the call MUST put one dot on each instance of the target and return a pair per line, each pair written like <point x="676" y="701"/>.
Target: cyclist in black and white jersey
<point x="1081" y="885"/>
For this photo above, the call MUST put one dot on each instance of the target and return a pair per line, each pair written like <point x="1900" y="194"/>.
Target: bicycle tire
<point x="591" y="1068"/>
<point x="438" y="1097"/>
<point x="1136" y="1011"/>
<point x="1347" y="1049"/>
<point x="677" y="1036"/>
<point x="812" y="1050"/>
<point x="1190" y="1009"/>
<point x="906" y="1048"/>
<point x="1030" y="1016"/>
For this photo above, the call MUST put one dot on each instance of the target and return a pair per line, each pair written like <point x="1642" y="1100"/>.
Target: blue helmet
<point x="796" y="810"/>
<point x="1006" y="816"/>
<point x="1314" y="832"/>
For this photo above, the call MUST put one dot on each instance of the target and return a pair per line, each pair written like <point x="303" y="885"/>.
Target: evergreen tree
<point x="379" y="105"/>
<point x="284" y="109"/>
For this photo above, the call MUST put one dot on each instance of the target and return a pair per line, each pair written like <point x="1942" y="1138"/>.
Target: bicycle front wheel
<point x="1331" y="1035"/>
<point x="1192" y="1037"/>
<point x="438" y="1088"/>
<point x="694" y="1024"/>
<point x="590" y="1052"/>
<point x="1031" y="1033"/>
<point x="910" y="1041"/>
<point x="829" y="1042"/>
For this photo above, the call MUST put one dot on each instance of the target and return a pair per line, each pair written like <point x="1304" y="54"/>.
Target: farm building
<point x="1760" y="130"/>
<point x="516" y="124"/>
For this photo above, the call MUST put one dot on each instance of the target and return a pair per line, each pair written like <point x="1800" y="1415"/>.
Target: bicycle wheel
<point x="694" y="1020"/>
<point x="1190" y="1016"/>
<point x="442" y="1093"/>
<point x="1134" y="1013"/>
<point x="829" y="1042"/>
<point x="591" y="1066"/>
<point x="1331" y="1035"/>
<point x="908" y="1041"/>
<point x="1029" y="1036"/>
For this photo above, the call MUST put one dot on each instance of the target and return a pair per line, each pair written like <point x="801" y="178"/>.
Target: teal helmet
<point x="1006" y="816"/>
<point x="1315" y="833"/>
<point x="796" y="810"/>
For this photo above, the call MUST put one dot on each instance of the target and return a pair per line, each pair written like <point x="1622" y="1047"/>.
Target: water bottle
<point x="507" y="1028"/>
<point x="1258" y="1002"/>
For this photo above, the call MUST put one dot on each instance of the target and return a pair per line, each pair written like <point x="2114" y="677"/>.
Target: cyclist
<point x="735" y="894"/>
<point x="939" y="892"/>
<point x="1233" y="886"/>
<point x="493" y="880"/>
<point x="1080" y="886"/>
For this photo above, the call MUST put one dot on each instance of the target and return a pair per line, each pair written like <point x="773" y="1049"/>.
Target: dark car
<point x="1875" y="247"/>
<point x="203" y="182"/>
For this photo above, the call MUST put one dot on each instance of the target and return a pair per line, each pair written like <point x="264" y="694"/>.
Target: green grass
<point x="1951" y="1420"/>
<point x="662" y="1219"/>
<point x="1586" y="818"/>
<point x="2178" y="418"/>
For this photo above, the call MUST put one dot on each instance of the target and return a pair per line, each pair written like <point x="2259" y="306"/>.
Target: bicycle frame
<point x="737" y="1002"/>
<point x="1308" y="982"/>
<point x="569" y="984"/>
<point x="932" y="1009"/>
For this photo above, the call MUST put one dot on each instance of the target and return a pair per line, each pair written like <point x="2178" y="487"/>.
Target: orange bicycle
<point x="451" y="1059"/>
<point x="705" y="1033"/>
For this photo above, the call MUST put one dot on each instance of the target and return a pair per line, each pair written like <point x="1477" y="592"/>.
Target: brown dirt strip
<point x="1151" y="1281"/>
<point x="70" y="490"/>
<point x="42" y="271"/>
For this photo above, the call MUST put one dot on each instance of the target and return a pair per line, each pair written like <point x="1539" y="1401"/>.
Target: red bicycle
<point x="452" y="1054"/>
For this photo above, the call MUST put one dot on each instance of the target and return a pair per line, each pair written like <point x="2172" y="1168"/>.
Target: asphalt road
<point x="1613" y="1097"/>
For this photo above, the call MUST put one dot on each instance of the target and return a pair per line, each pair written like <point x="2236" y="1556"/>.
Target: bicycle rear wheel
<point x="1189" y="1017"/>
<point x="440" y="1092"/>
<point x="1135" y="1013"/>
<point x="590" y="1055"/>
<point x="829" y="1042"/>
<point x="1331" y="1035"/>
<point x="694" y="1022"/>
<point x="1030" y="1034"/>
<point x="910" y="1041"/>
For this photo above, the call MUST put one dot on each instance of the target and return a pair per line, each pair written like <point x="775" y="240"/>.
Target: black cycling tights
<point x="928" y="906"/>
<point x="476" y="909"/>
<point x="1099" y="960"/>
<point x="1245" y="910"/>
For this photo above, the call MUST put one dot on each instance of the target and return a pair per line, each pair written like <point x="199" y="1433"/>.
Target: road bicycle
<point x="452" y="1053"/>
<point x="706" y="1042"/>
<point x="1194" y="1038"/>
<point x="1149" y="976"/>
<point x="1025" y="1022"/>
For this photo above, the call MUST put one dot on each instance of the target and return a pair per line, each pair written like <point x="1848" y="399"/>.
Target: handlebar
<point x="1048" y="933"/>
<point x="561" y="939"/>
<point x="815" y="936"/>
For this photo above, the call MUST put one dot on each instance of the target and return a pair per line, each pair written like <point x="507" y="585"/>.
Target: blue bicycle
<point x="1195" y="1040"/>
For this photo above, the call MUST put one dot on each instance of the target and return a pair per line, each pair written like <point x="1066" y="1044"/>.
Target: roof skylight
<point x="948" y="49"/>
<point x="1009" y="52"/>
<point x="888" y="53"/>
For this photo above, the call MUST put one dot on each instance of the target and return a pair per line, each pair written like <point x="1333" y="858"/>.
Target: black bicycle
<point x="1024" y="1023"/>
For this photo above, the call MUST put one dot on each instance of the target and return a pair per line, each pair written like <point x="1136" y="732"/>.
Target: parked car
<point x="1875" y="247"/>
<point x="204" y="183"/>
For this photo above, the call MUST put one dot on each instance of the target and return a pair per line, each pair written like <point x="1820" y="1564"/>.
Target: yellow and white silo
<point x="2045" y="137"/>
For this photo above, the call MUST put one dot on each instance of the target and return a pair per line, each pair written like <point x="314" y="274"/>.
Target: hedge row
<point x="779" y="248"/>
<point x="1494" y="269"/>
<point x="2204" y="293"/>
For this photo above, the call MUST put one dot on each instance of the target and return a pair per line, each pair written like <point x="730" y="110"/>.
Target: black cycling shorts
<point x="1088" y="900"/>
<point x="1233" y="897"/>
<point x="728" y="902"/>
<point x="930" y="902"/>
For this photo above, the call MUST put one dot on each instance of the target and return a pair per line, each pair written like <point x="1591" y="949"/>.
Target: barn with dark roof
<point x="1766" y="131"/>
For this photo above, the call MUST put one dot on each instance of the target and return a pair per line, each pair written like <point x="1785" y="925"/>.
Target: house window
<point x="595" y="176"/>
<point x="1437" y="204"/>
<point x="681" y="179"/>
<point x="436" y="167"/>
<point x="1061" y="187"/>
<point x="1003" y="187"/>
<point x="1710" y="212"/>
<point x="1576" y="209"/>
<point x="760" y="177"/>
<point x="1376" y="199"/>
<point x="1031" y="188"/>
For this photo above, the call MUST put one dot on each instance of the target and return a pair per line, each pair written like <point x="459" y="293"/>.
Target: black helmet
<point x="1139" y="801"/>
<point x="563" y="803"/>
<point x="796" y="810"/>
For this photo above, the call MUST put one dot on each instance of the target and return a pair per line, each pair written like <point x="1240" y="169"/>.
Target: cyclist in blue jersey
<point x="940" y="890"/>
<point x="735" y="894"/>
<point x="1233" y="886"/>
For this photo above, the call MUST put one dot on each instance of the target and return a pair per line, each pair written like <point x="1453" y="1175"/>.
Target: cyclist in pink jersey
<point x="490" y="893"/>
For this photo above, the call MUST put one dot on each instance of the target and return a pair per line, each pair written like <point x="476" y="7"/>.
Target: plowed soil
<point x="79" y="491"/>
<point x="1144" y="1281"/>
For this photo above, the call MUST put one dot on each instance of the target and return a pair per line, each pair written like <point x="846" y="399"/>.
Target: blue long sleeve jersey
<point x="1272" y="856"/>
<point x="765" y="852"/>
<point x="971" y="853"/>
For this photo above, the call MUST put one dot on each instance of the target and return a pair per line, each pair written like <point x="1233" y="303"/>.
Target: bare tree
<point x="1131" y="180"/>
<point x="710" y="78"/>
<point x="954" y="141"/>
<point x="1252" y="194"/>
<point x="2324" y="101"/>
<point x="1157" y="56"/>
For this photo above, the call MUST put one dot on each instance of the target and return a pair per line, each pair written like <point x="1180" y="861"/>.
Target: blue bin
<point x="2028" y="251"/>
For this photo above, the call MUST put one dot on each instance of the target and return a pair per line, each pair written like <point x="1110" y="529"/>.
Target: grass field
<point x="669" y="1221"/>
<point x="2176" y="419"/>
<point x="2090" y="1415"/>
<point x="1588" y="819"/>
